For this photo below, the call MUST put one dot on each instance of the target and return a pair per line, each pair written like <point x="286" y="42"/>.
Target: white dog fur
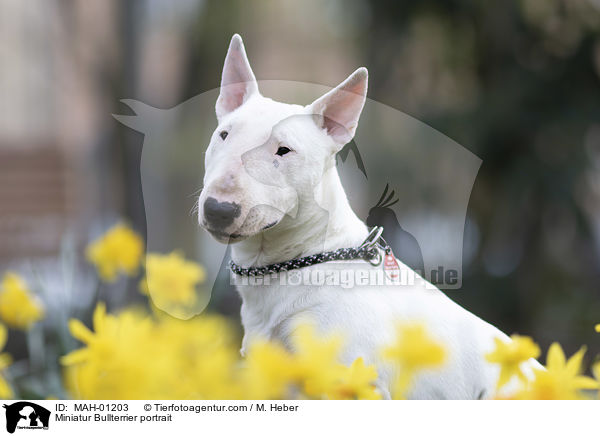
<point x="294" y="205"/>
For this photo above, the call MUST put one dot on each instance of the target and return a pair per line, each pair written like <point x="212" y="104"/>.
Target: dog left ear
<point x="338" y="111"/>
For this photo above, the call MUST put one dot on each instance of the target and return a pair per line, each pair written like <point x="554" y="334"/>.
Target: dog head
<point x="265" y="155"/>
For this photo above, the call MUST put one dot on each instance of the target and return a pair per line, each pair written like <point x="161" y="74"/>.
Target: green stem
<point x="35" y="347"/>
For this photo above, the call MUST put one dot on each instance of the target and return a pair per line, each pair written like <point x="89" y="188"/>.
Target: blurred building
<point x="56" y="58"/>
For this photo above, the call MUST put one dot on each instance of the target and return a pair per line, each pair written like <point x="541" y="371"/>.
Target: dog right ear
<point x="237" y="82"/>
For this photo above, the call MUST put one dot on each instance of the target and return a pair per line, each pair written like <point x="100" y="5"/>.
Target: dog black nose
<point x="219" y="215"/>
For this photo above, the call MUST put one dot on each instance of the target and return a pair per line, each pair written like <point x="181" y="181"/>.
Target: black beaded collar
<point x="369" y="250"/>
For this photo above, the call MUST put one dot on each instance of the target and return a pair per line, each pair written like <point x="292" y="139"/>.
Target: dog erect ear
<point x="237" y="82"/>
<point x="338" y="111"/>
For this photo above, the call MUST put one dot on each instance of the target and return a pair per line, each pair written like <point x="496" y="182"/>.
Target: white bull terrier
<point x="271" y="188"/>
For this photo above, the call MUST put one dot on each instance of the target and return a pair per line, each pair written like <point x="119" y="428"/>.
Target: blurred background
<point x="514" y="82"/>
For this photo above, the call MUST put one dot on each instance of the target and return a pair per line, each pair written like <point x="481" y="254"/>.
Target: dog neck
<point x="323" y="221"/>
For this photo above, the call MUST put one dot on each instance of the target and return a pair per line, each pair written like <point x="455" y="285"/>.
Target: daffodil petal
<point x="75" y="357"/>
<point x="556" y="356"/>
<point x="80" y="331"/>
<point x="583" y="382"/>
<point x="573" y="365"/>
<point x="99" y="316"/>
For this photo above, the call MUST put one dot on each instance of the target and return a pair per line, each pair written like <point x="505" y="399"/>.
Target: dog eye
<point x="223" y="134"/>
<point x="282" y="150"/>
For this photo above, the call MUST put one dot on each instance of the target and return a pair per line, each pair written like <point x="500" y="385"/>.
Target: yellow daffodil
<point x="356" y="382"/>
<point x="312" y="371"/>
<point x="597" y="328"/>
<point x="133" y="356"/>
<point x="119" y="250"/>
<point x="202" y="358"/>
<point x="510" y="355"/>
<point x="561" y="380"/>
<point x="18" y="308"/>
<point x="316" y="359"/>
<point x="270" y="371"/>
<point x="171" y="282"/>
<point x="5" y="361"/>
<point x="116" y="362"/>
<point x="413" y="351"/>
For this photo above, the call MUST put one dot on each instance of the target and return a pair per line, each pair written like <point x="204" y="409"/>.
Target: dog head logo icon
<point x="26" y="415"/>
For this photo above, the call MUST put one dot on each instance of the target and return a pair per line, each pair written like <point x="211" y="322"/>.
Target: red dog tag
<point x="391" y="268"/>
